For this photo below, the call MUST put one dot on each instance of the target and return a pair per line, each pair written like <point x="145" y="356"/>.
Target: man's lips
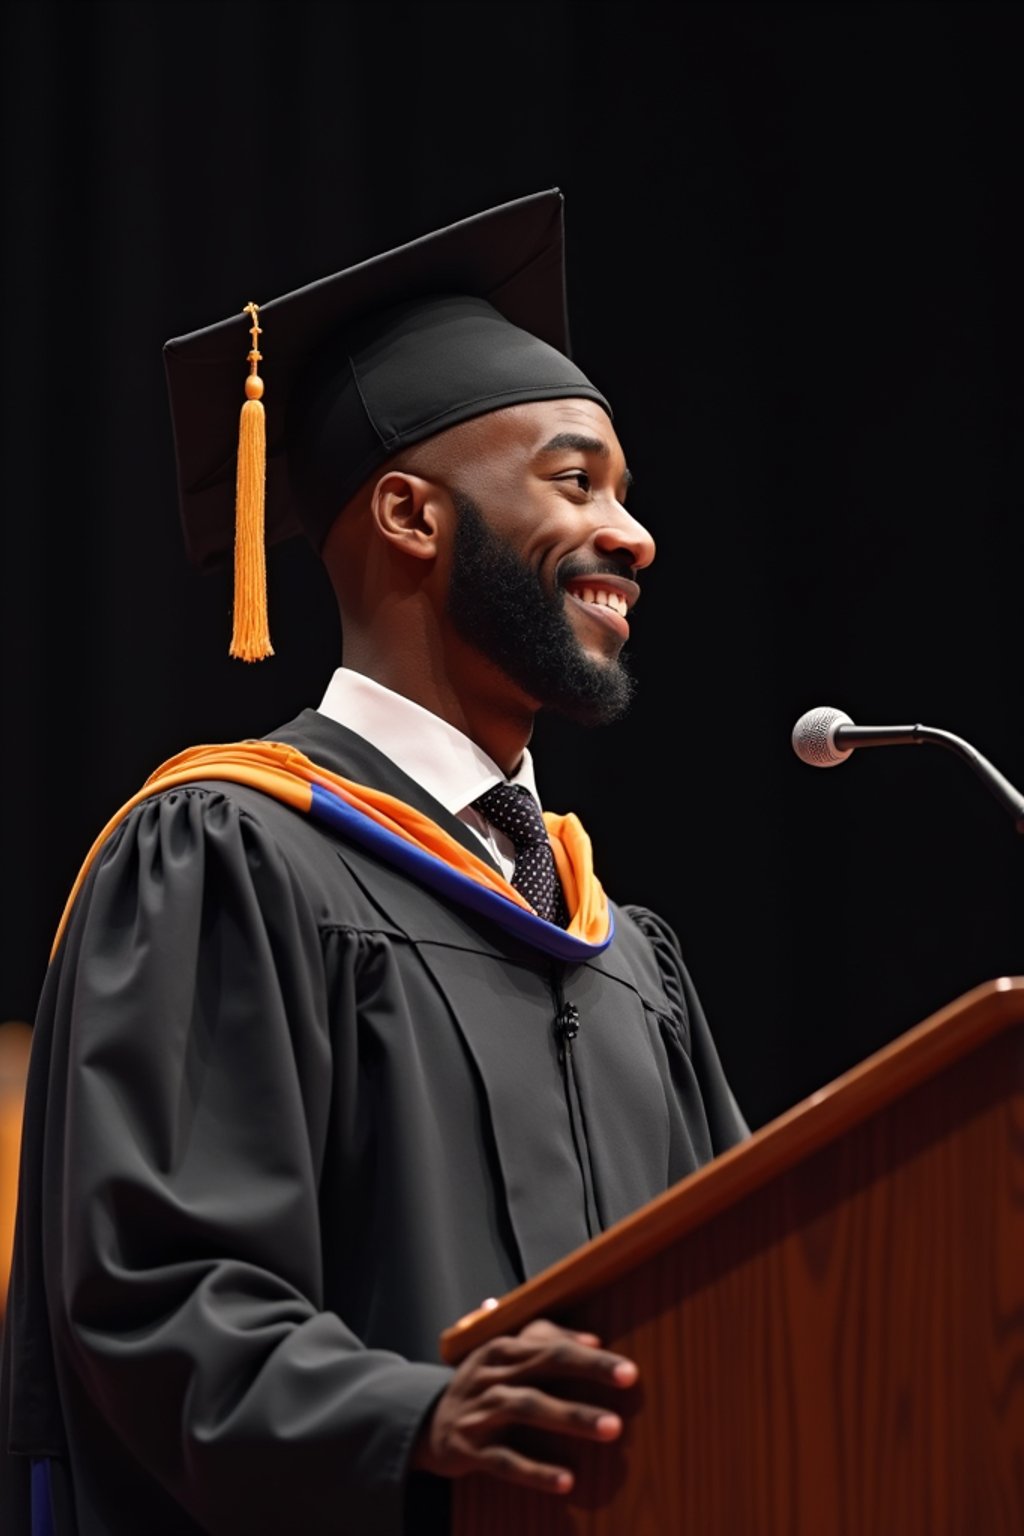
<point x="605" y="599"/>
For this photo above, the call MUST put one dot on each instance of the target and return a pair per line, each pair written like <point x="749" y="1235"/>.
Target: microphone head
<point x="814" y="737"/>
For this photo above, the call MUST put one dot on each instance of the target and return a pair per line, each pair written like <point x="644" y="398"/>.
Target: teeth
<point x="602" y="598"/>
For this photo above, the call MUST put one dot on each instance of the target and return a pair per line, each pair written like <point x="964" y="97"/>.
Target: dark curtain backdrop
<point x="795" y="265"/>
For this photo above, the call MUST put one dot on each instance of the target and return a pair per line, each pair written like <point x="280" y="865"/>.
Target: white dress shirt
<point x="440" y="758"/>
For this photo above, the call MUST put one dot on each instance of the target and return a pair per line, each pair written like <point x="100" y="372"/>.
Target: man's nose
<point x="623" y="532"/>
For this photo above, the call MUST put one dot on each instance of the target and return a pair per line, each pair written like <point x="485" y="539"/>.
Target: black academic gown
<point x="290" y="1115"/>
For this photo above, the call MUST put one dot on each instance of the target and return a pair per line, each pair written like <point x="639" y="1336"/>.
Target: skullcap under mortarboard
<point x="357" y="366"/>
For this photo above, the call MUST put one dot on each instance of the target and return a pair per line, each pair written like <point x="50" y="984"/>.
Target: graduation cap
<point x="466" y="320"/>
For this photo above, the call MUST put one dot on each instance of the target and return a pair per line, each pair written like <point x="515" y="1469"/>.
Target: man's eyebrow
<point x="577" y="440"/>
<point x="582" y="444"/>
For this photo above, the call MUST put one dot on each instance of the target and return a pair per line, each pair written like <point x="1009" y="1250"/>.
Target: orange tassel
<point x="250" y="638"/>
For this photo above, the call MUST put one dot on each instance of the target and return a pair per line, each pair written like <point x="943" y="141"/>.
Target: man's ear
<point x="409" y="512"/>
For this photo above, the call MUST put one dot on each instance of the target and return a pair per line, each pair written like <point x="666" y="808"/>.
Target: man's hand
<point x="502" y="1385"/>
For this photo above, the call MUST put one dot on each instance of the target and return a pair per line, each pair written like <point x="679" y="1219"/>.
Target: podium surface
<point x="828" y="1319"/>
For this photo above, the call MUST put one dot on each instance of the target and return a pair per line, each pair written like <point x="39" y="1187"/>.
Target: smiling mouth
<point x="600" y="597"/>
<point x="606" y="600"/>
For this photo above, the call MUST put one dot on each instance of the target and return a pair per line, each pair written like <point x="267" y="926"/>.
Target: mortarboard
<point x="359" y="365"/>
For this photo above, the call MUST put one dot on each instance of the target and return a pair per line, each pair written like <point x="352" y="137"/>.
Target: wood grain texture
<point x="838" y="1352"/>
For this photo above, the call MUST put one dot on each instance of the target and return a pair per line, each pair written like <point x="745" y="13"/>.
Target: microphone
<point x="825" y="737"/>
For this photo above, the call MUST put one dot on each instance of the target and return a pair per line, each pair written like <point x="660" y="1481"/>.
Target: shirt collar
<point x="438" y="756"/>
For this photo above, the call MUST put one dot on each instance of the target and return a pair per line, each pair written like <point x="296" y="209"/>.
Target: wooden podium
<point x="828" y="1320"/>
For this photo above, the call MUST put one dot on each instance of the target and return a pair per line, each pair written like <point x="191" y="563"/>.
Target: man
<point x="335" y="1044"/>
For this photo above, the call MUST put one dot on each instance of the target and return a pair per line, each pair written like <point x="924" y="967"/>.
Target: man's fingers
<point x="541" y="1328"/>
<point x="502" y="1462"/>
<point x="502" y="1405"/>
<point x="551" y="1380"/>
<point x="557" y="1358"/>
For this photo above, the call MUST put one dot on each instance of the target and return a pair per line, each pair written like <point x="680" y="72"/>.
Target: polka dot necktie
<point x="513" y="810"/>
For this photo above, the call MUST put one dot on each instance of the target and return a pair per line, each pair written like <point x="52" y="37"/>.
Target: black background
<point x="794" y="266"/>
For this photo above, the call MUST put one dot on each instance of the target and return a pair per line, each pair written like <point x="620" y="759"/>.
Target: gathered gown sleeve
<point x="191" y="1029"/>
<point x="698" y="1077"/>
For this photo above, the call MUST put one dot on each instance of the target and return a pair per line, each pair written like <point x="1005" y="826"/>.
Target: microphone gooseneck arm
<point x="825" y="737"/>
<point x="1009" y="797"/>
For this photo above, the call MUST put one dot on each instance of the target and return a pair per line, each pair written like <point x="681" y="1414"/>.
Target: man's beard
<point x="498" y="604"/>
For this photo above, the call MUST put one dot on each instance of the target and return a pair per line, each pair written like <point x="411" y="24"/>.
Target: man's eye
<point x="580" y="476"/>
